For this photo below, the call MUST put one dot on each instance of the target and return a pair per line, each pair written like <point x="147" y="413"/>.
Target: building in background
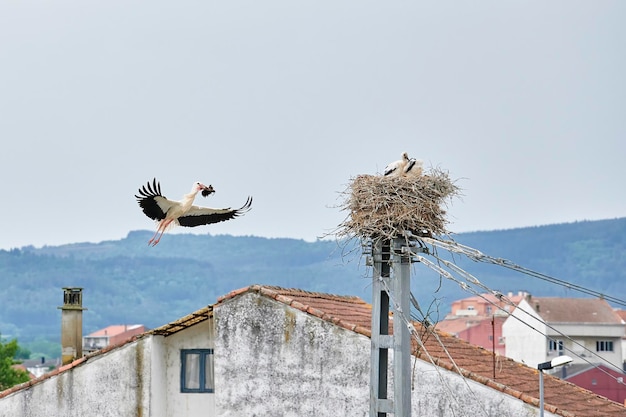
<point x="542" y="328"/>
<point x="622" y="315"/>
<point x="478" y="319"/>
<point x="600" y="379"/>
<point x="111" y="335"/>
<point x="38" y="367"/>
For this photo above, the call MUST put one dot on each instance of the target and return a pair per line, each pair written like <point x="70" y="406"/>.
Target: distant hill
<point x="125" y="281"/>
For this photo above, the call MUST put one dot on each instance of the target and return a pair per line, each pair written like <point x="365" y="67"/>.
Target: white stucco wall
<point x="180" y="404"/>
<point x="441" y="393"/>
<point x="115" y="384"/>
<point x="524" y="344"/>
<point x="273" y="360"/>
<point x="158" y="385"/>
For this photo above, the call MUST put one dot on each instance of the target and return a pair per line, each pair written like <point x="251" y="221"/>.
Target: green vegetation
<point x="40" y="347"/>
<point x="126" y="281"/>
<point x="10" y="376"/>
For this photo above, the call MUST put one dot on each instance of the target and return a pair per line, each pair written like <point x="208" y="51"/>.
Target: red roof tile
<point x="455" y="325"/>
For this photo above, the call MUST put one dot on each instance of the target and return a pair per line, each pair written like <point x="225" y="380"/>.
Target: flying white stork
<point x="182" y="213"/>
<point x="413" y="168"/>
<point x="396" y="168"/>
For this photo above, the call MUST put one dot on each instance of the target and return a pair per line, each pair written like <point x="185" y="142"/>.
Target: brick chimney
<point x="72" y="324"/>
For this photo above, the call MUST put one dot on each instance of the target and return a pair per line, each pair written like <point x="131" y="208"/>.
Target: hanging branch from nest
<point x="383" y="207"/>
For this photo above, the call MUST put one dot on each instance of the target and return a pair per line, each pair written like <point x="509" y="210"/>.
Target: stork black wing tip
<point x="149" y="190"/>
<point x="248" y="206"/>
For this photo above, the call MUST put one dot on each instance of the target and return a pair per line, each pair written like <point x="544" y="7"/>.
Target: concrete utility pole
<point x="401" y="292"/>
<point x="381" y="341"/>
<point x="391" y="277"/>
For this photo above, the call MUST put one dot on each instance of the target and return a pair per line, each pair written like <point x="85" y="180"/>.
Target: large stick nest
<point x="386" y="207"/>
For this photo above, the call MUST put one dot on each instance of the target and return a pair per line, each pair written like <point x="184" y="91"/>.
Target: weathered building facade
<point x="541" y="328"/>
<point x="270" y="351"/>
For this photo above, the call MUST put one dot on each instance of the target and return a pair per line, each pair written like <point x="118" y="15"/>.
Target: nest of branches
<point x="385" y="207"/>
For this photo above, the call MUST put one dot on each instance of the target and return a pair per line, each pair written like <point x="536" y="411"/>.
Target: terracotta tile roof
<point x="184" y="322"/>
<point x="457" y="324"/>
<point x="491" y="299"/>
<point x="345" y="311"/>
<point x="574" y="310"/>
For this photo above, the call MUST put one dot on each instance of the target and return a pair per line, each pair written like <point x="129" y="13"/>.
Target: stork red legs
<point x="163" y="224"/>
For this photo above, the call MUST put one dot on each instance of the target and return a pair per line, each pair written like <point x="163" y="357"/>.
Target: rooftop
<point x="455" y="325"/>
<point x="574" y="310"/>
<point x="513" y="378"/>
<point x="621" y="314"/>
<point x="115" y="329"/>
<point x="352" y="313"/>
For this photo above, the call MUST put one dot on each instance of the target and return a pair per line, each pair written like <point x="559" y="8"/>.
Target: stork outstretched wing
<point x="197" y="216"/>
<point x="152" y="202"/>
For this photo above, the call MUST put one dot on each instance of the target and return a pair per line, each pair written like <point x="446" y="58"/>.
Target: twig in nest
<point x="386" y="207"/>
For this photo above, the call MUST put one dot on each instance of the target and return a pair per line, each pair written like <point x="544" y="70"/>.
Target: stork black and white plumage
<point x="396" y="168"/>
<point x="182" y="213"/>
<point x="413" y="168"/>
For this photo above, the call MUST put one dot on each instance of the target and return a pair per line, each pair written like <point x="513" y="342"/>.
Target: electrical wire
<point x="503" y="298"/>
<point x="478" y="256"/>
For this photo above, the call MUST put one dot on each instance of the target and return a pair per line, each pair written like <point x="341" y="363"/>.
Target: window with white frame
<point x="196" y="370"/>
<point x="604" y="346"/>
<point x="555" y="345"/>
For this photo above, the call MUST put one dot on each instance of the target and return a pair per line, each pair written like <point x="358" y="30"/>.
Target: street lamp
<point x="558" y="361"/>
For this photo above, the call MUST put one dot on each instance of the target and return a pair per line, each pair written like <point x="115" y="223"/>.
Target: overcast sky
<point x="524" y="102"/>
